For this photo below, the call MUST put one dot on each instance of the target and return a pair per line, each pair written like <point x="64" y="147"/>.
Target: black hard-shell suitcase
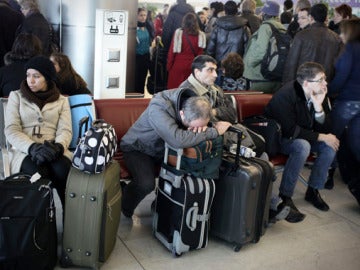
<point x="240" y="211"/>
<point x="183" y="202"/>
<point x="28" y="238"/>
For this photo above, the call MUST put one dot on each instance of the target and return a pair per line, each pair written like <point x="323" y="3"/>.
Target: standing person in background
<point x="188" y="42"/>
<point x="174" y="21"/>
<point x="165" y="12"/>
<point x="257" y="49"/>
<point x="35" y="23"/>
<point x="68" y="80"/>
<point x="248" y="12"/>
<point x="10" y="20"/>
<point x="303" y="18"/>
<point x="25" y="47"/>
<point x="38" y="126"/>
<point x="216" y="8"/>
<point x="144" y="37"/>
<point x="158" y="24"/>
<point x="317" y="44"/>
<point x="202" y="20"/>
<point x="342" y="12"/>
<point x="294" y="27"/>
<point x="229" y="35"/>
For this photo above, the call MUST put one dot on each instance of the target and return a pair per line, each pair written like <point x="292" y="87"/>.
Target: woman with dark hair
<point x="25" y="47"/>
<point x="187" y="43"/>
<point x="68" y="80"/>
<point x="38" y="125"/>
<point x="342" y="12"/>
<point x="144" y="38"/>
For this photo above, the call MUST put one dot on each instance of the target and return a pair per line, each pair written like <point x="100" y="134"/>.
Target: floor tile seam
<point x="129" y="250"/>
<point x="344" y="217"/>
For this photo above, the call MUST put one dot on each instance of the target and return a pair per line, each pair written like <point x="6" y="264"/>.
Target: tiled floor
<point x="324" y="240"/>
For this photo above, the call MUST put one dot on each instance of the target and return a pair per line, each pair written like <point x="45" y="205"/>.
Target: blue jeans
<point x="298" y="151"/>
<point x="342" y="114"/>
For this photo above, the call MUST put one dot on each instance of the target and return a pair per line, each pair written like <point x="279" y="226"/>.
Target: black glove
<point x="34" y="149"/>
<point x="40" y="153"/>
<point x="57" y="148"/>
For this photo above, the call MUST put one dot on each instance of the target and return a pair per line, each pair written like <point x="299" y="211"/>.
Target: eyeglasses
<point x="322" y="79"/>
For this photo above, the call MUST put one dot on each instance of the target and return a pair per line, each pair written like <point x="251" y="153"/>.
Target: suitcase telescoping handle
<point x="238" y="144"/>
<point x="167" y="172"/>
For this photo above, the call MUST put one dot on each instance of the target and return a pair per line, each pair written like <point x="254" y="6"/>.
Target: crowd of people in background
<point x="232" y="37"/>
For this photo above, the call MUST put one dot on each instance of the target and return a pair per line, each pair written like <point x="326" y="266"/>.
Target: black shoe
<point x="279" y="214"/>
<point x="313" y="196"/>
<point x="330" y="179"/>
<point x="294" y="215"/>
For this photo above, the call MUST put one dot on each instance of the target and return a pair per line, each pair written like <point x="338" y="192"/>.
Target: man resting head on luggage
<point x="178" y="117"/>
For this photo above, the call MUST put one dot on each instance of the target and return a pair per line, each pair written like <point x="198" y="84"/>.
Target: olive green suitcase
<point x="92" y="216"/>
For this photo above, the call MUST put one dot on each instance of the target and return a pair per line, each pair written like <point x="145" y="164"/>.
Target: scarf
<point x="40" y="98"/>
<point x="178" y="40"/>
<point x="141" y="24"/>
<point x="210" y="91"/>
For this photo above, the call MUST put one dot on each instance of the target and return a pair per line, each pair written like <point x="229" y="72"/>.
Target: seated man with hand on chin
<point x="302" y="109"/>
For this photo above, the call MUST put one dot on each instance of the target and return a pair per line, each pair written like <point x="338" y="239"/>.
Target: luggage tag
<point x="35" y="177"/>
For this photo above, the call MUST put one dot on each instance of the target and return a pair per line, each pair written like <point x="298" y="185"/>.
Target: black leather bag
<point x="269" y="129"/>
<point x="28" y="238"/>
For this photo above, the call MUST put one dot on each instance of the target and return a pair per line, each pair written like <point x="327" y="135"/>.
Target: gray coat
<point x="22" y="116"/>
<point x="159" y="123"/>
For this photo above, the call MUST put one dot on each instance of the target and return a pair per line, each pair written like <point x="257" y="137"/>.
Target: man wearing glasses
<point x="302" y="110"/>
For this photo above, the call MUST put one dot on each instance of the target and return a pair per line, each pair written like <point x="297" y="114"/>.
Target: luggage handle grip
<point x="179" y="153"/>
<point x="191" y="217"/>
<point x="238" y="144"/>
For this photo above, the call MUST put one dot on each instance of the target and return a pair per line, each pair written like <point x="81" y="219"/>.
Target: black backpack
<point x="272" y="65"/>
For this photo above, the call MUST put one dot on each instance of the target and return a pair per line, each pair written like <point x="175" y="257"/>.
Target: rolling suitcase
<point x="92" y="216"/>
<point x="28" y="238"/>
<point x="182" y="208"/>
<point x="240" y="211"/>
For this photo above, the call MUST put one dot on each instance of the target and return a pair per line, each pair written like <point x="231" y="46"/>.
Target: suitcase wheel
<point x="237" y="247"/>
<point x="174" y="253"/>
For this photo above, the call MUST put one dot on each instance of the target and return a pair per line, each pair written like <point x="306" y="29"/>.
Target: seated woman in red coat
<point x="187" y="43"/>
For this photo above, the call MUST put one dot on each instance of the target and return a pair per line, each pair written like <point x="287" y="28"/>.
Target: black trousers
<point x="57" y="171"/>
<point x="143" y="169"/>
<point x="141" y="70"/>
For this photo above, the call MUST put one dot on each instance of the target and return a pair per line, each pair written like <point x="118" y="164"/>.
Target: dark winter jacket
<point x="314" y="44"/>
<point x="160" y="123"/>
<point x="229" y="35"/>
<point x="11" y="77"/>
<point x="35" y="23"/>
<point x="253" y="21"/>
<point x="289" y="108"/>
<point x="174" y="21"/>
<point x="346" y="83"/>
<point x="9" y="22"/>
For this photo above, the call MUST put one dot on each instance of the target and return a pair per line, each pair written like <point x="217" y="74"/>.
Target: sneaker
<point x="313" y="196"/>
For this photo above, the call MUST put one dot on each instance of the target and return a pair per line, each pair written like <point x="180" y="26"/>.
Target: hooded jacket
<point x="229" y="35"/>
<point x="160" y="123"/>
